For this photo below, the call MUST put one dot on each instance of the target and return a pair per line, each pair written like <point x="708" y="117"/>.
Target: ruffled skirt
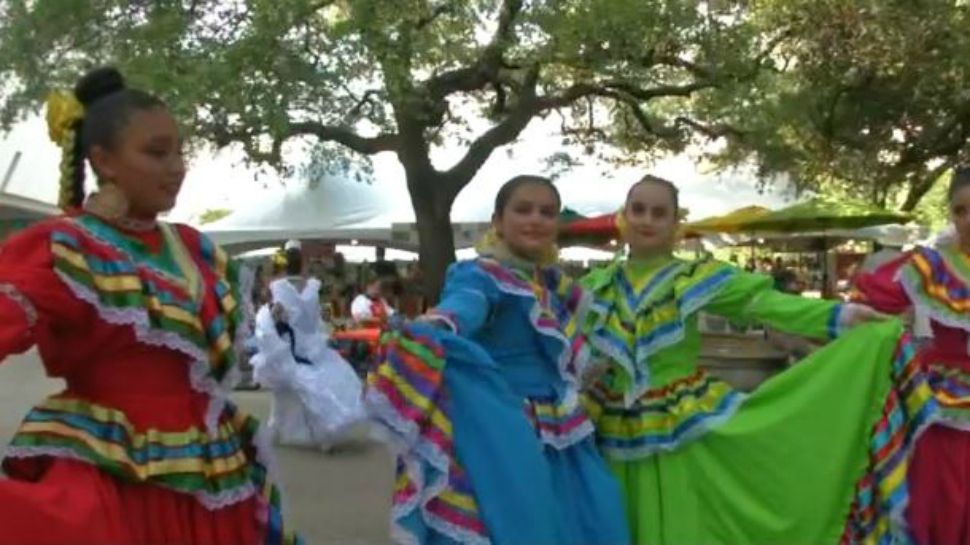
<point x="817" y="455"/>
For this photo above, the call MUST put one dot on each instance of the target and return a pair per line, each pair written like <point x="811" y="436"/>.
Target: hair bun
<point x="98" y="83"/>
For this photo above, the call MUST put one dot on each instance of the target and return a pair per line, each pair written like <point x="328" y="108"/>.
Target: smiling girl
<point x="483" y="410"/>
<point x="810" y="457"/>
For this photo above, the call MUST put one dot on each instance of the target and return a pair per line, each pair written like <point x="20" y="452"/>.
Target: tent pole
<point x="10" y="170"/>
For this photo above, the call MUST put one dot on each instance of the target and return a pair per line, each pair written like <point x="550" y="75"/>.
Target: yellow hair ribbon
<point x="620" y="221"/>
<point x="279" y="259"/>
<point x="488" y="243"/>
<point x="63" y="112"/>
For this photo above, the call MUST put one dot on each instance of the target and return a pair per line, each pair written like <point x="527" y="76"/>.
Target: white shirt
<point x="360" y="308"/>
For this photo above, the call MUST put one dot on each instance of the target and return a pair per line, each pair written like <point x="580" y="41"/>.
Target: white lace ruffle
<point x="563" y="441"/>
<point x="138" y="319"/>
<point x="11" y="292"/>
<point x="404" y="439"/>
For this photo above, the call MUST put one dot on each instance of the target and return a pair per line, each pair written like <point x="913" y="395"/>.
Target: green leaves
<point x="867" y="95"/>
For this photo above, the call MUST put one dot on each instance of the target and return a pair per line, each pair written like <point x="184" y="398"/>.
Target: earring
<point x="108" y="202"/>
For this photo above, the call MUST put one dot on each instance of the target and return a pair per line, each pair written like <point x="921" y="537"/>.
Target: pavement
<point x="341" y="498"/>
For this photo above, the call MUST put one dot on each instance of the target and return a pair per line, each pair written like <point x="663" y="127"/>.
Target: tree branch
<point x="485" y="69"/>
<point x="435" y="13"/>
<point x="661" y="91"/>
<point x="223" y="136"/>
<point x="366" y="100"/>
<point x="345" y="136"/>
<point x="711" y="131"/>
<point x="677" y="62"/>
<point x="919" y="188"/>
<point x="616" y="89"/>
<point x="500" y="134"/>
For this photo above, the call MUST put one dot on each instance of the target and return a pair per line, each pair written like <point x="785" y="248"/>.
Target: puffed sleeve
<point x="34" y="302"/>
<point x="880" y="289"/>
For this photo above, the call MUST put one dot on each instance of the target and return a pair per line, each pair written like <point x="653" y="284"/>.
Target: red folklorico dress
<point x="142" y="446"/>
<point x="935" y="284"/>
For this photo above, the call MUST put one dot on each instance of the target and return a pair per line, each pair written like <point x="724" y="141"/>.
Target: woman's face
<point x="960" y="215"/>
<point x="373" y="289"/>
<point x="146" y="164"/>
<point x="651" y="218"/>
<point x="528" y="224"/>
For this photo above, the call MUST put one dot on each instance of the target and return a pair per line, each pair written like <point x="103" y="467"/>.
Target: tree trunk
<point x="432" y="210"/>
<point x="916" y="191"/>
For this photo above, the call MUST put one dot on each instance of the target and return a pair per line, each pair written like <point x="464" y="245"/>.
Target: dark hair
<point x="651" y="179"/>
<point x="108" y="105"/>
<point x="959" y="180"/>
<point x="509" y="188"/>
<point x="294" y="262"/>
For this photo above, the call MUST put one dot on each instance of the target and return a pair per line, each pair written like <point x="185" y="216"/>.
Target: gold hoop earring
<point x="108" y="202"/>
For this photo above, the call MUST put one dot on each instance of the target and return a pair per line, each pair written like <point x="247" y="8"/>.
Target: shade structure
<point x="731" y="222"/>
<point x="568" y="215"/>
<point x="594" y="231"/>
<point x="821" y="215"/>
<point x="604" y="225"/>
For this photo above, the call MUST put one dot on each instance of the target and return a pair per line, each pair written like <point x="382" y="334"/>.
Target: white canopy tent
<point x="18" y="207"/>
<point x="333" y="210"/>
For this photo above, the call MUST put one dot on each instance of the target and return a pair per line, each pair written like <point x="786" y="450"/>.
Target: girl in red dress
<point x="933" y="285"/>
<point x="140" y="319"/>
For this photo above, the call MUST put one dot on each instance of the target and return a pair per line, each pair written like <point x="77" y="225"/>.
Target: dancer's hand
<point x="854" y="314"/>
<point x="437" y="321"/>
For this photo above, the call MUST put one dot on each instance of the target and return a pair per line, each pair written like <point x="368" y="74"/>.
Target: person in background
<point x="371" y="309"/>
<point x="316" y="394"/>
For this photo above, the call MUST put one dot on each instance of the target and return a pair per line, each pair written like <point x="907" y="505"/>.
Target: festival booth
<point x="816" y="226"/>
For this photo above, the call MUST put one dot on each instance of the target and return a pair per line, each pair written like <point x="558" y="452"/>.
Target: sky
<point x="221" y="180"/>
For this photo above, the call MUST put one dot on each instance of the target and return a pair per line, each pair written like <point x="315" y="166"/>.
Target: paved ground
<point x="339" y="499"/>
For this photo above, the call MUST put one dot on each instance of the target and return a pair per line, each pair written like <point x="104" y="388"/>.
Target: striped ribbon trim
<point x="877" y="512"/>
<point x="662" y="419"/>
<point x="406" y="396"/>
<point x="218" y="471"/>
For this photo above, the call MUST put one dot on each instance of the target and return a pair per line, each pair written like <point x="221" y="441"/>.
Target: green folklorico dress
<point x="817" y="455"/>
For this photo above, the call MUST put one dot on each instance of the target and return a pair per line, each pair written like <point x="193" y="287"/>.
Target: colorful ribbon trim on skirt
<point x="876" y="515"/>
<point x="219" y="471"/>
<point x="406" y="395"/>
<point x="559" y="423"/>
<point x="662" y="419"/>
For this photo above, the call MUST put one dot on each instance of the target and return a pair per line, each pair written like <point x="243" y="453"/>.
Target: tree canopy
<point x="370" y="76"/>
<point x="870" y="98"/>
